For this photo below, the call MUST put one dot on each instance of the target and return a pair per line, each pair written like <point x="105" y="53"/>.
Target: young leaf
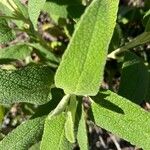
<point x="18" y="51"/>
<point x="30" y="84"/>
<point x="69" y="128"/>
<point x="34" y="8"/>
<point x="81" y="69"/>
<point x="134" y="78"/>
<point x="122" y="117"/>
<point x="24" y="135"/>
<point x="82" y="133"/>
<point x="6" y="34"/>
<point x="54" y="135"/>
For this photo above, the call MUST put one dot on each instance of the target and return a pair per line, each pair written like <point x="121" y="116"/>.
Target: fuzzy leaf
<point x="54" y="135"/>
<point x="82" y="133"/>
<point x="6" y="34"/>
<point x="82" y="66"/>
<point x="134" y="79"/>
<point x="30" y="84"/>
<point x="69" y="128"/>
<point x="34" y="8"/>
<point x="24" y="135"/>
<point x="121" y="117"/>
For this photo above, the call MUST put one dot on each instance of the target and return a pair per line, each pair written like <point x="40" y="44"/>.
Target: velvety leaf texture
<point x="6" y="34"/>
<point x="24" y="135"/>
<point x="121" y="117"/>
<point x="82" y="133"/>
<point x="134" y="78"/>
<point x="54" y="135"/>
<point x="30" y="84"/>
<point x="81" y="69"/>
<point x="34" y="8"/>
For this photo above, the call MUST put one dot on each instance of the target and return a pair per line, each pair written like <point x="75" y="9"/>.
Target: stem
<point x="61" y="106"/>
<point x="139" y="40"/>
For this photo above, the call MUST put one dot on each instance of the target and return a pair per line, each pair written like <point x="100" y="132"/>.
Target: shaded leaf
<point x="24" y="135"/>
<point x="81" y="69"/>
<point x="123" y="118"/>
<point x="134" y="78"/>
<point x="30" y="84"/>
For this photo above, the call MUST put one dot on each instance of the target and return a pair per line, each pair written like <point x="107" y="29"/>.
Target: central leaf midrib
<point x="83" y="68"/>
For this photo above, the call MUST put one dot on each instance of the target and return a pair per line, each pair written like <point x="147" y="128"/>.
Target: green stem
<point x="139" y="40"/>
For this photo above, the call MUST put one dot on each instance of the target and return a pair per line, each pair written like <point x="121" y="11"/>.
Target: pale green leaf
<point x="34" y="8"/>
<point x="18" y="51"/>
<point x="24" y="135"/>
<point x="69" y="128"/>
<point x="82" y="66"/>
<point x="134" y="78"/>
<point x="6" y="34"/>
<point x="21" y="8"/>
<point x="123" y="118"/>
<point x="82" y="133"/>
<point x="35" y="146"/>
<point x="54" y="135"/>
<point x="30" y="84"/>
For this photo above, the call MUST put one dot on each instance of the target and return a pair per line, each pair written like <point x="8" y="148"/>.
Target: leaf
<point x="24" y="135"/>
<point x="6" y="34"/>
<point x="19" y="51"/>
<point x="21" y="8"/>
<point x="123" y="118"/>
<point x="54" y="135"/>
<point x="30" y="84"/>
<point x="58" y="10"/>
<point x="81" y="69"/>
<point x="5" y="10"/>
<point x="35" y="146"/>
<point x="134" y="78"/>
<point x="69" y="128"/>
<point x="2" y="113"/>
<point x="82" y="133"/>
<point x="34" y="8"/>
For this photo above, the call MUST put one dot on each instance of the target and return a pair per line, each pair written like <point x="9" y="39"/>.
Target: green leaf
<point x="123" y="118"/>
<point x="6" y="34"/>
<point x="34" y="8"/>
<point x="82" y="133"/>
<point x="54" y="135"/>
<point x="30" y="84"/>
<point x="58" y="10"/>
<point x="134" y="78"/>
<point x="5" y="10"/>
<point x="82" y="66"/>
<point x="19" y="51"/>
<point x="21" y="8"/>
<point x="35" y="146"/>
<point x="24" y="135"/>
<point x="69" y="128"/>
<point x="2" y="113"/>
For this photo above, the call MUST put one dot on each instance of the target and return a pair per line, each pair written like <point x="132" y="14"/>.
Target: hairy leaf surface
<point x="24" y="135"/>
<point x="123" y="118"/>
<point x="54" y="135"/>
<point x="30" y="84"/>
<point x="82" y="66"/>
